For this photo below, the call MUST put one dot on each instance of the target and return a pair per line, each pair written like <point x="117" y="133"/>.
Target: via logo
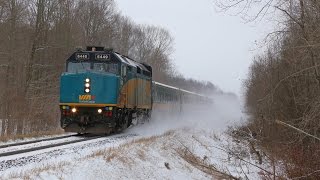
<point x="86" y="98"/>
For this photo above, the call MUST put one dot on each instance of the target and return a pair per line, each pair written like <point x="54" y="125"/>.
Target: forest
<point x="282" y="90"/>
<point x="37" y="36"/>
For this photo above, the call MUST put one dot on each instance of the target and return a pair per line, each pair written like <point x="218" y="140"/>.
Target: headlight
<point x="87" y="85"/>
<point x="74" y="110"/>
<point x="99" y="111"/>
<point x="87" y="80"/>
<point x="87" y="90"/>
<point x="109" y="108"/>
<point x="65" y="107"/>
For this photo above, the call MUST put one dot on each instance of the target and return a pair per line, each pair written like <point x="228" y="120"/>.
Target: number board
<point x="82" y="56"/>
<point x="102" y="57"/>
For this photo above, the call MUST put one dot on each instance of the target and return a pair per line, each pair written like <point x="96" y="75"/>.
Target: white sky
<point x="209" y="45"/>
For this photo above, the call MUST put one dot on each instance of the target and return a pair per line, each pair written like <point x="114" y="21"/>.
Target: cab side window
<point x="123" y="70"/>
<point x="112" y="68"/>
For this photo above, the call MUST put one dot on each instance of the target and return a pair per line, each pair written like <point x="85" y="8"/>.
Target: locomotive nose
<point x="89" y="88"/>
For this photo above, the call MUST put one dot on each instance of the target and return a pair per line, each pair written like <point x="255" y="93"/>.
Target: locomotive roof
<point x="85" y="55"/>
<point x="131" y="62"/>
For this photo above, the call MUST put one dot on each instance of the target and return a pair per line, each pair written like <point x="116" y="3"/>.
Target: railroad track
<point x="21" y="151"/>
<point x="35" y="141"/>
<point x="7" y="161"/>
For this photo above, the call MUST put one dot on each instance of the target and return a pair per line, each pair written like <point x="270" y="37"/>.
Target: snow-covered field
<point x="189" y="147"/>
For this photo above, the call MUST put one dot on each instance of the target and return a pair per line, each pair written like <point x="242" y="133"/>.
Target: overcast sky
<point x="209" y="45"/>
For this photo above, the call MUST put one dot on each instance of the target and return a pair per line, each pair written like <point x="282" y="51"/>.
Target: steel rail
<point x="46" y="146"/>
<point x="35" y="141"/>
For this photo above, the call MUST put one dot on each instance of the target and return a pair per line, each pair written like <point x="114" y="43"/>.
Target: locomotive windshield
<point x="105" y="67"/>
<point x="79" y="67"/>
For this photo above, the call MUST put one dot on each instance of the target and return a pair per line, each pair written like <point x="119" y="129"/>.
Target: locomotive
<point x="102" y="91"/>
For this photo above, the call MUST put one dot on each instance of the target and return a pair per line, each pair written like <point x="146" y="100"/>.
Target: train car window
<point x="157" y="98"/>
<point x="77" y="67"/>
<point x="129" y="68"/>
<point x="138" y="70"/>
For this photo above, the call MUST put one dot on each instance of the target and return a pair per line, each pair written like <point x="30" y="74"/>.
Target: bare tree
<point x="283" y="84"/>
<point x="38" y="35"/>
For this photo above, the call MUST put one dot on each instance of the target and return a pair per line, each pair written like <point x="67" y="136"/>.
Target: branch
<point x="225" y="7"/>
<point x="305" y="176"/>
<point x="291" y="17"/>
<point x="266" y="6"/>
<point x="235" y="155"/>
<point x="297" y="129"/>
<point x="278" y="84"/>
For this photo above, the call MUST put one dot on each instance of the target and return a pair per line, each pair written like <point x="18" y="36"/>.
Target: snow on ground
<point x="192" y="146"/>
<point x="144" y="159"/>
<point x="155" y="157"/>
<point x="28" y="161"/>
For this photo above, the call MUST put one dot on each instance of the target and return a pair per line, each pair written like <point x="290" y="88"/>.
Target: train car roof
<point x="183" y="90"/>
<point x="164" y="85"/>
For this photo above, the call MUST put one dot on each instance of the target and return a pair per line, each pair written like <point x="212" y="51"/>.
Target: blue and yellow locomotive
<point x="102" y="90"/>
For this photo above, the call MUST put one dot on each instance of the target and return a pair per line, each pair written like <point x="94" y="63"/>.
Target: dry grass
<point x="35" y="173"/>
<point x="141" y="154"/>
<point x="201" y="143"/>
<point x="110" y="157"/>
<point x="202" y="165"/>
<point x="215" y="137"/>
<point x="111" y="154"/>
<point x="31" y="135"/>
<point x="95" y="154"/>
<point x="148" y="140"/>
<point x="120" y="153"/>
